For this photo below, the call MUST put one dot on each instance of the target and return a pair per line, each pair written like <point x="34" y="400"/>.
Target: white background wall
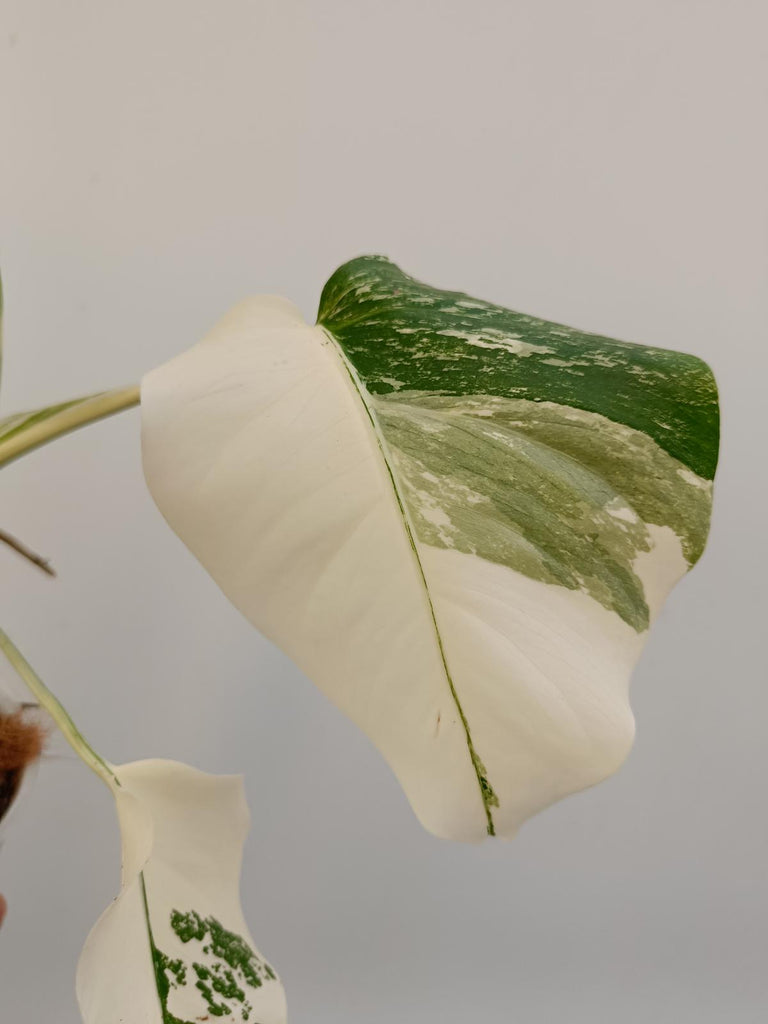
<point x="599" y="162"/>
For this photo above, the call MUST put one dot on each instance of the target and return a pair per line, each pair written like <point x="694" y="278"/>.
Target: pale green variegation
<point x="459" y="520"/>
<point x="173" y="947"/>
<point x="559" y="494"/>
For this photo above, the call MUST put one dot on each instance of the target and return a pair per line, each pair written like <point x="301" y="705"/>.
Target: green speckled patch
<point x="524" y="442"/>
<point x="222" y="967"/>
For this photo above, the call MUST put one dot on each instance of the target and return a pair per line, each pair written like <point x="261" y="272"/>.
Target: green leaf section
<point x="529" y="444"/>
<point x="402" y="334"/>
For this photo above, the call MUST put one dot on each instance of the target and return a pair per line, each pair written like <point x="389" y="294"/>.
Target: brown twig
<point x="25" y="552"/>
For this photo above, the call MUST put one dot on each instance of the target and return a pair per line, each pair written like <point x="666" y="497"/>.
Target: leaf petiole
<point x="58" y="713"/>
<point x="23" y="433"/>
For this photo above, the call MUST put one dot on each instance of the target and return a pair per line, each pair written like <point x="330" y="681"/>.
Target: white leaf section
<point x="259" y="453"/>
<point x="262" y="453"/>
<point x="543" y="674"/>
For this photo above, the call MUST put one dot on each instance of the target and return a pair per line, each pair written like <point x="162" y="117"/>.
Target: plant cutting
<point x="458" y="520"/>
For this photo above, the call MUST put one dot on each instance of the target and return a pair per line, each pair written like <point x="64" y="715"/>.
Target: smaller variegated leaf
<point x="173" y="948"/>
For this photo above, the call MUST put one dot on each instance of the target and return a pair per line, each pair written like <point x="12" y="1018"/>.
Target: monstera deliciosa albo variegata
<point x="458" y="520"/>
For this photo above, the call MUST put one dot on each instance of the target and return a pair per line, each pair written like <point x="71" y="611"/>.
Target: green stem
<point x="57" y="712"/>
<point x="36" y="431"/>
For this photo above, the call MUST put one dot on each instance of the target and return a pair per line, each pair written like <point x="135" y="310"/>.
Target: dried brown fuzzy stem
<point x="25" y="552"/>
<point x="21" y="743"/>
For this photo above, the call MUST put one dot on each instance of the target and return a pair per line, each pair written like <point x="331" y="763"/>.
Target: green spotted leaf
<point x="458" y="520"/>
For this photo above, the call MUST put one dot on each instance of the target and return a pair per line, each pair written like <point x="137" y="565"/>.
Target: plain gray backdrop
<point x="597" y="162"/>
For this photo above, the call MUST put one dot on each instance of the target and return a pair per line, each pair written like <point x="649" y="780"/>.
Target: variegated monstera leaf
<point x="458" y="520"/>
<point x="173" y="947"/>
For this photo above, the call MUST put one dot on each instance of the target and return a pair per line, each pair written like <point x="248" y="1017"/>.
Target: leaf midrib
<point x="486" y="792"/>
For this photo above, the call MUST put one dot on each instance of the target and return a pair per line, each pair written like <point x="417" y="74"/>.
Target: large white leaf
<point x="458" y="520"/>
<point x="173" y="948"/>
